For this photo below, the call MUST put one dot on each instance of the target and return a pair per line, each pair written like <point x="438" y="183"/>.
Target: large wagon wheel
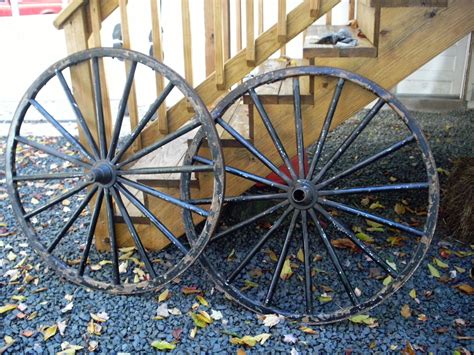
<point x="63" y="190"/>
<point x="350" y="242"/>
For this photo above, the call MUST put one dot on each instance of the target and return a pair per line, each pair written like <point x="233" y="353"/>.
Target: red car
<point x="31" y="7"/>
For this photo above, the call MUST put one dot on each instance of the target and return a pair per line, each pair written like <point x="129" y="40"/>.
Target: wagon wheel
<point x="68" y="191"/>
<point x="341" y="226"/>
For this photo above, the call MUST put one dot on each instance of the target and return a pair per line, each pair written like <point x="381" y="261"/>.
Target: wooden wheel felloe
<point x="84" y="183"/>
<point x="338" y="228"/>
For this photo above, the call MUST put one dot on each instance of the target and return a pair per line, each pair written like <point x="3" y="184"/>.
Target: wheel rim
<point x="303" y="196"/>
<point x="100" y="178"/>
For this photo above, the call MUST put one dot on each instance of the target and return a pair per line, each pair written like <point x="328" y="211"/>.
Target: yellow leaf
<point x="286" y="271"/>
<point x="272" y="255"/>
<point x="163" y="345"/>
<point x="8" y="339"/>
<point x="434" y="271"/>
<point x="94" y="328"/>
<point x="440" y="263"/>
<point x="413" y="293"/>
<point x="405" y="311"/>
<point x="165" y="295"/>
<point x="308" y="330"/>
<point x="365" y="237"/>
<point x="388" y="280"/>
<point x="202" y="300"/>
<point x="205" y="317"/>
<point x="100" y="317"/>
<point x="192" y="333"/>
<point x="300" y="255"/>
<point x="400" y="208"/>
<point x="262" y="338"/>
<point x="376" y="205"/>
<point x="7" y="308"/>
<point x="467" y="289"/>
<point x="49" y="332"/>
<point x="363" y="319"/>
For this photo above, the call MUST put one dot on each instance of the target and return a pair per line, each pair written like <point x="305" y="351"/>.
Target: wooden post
<point x="281" y="24"/>
<point x="329" y="17"/>
<point x="209" y="33"/>
<point x="187" y="42"/>
<point x="260" y="17"/>
<point x="351" y="9"/>
<point x="219" y="32"/>
<point x="226" y="25"/>
<point x="250" y="52"/>
<point x="132" y="99"/>
<point x="238" y="24"/>
<point x="314" y="6"/>
<point x="158" y="54"/>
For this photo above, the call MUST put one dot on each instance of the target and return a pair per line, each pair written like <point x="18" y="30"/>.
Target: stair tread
<point x="281" y="92"/>
<point x="407" y="3"/>
<point x="313" y="50"/>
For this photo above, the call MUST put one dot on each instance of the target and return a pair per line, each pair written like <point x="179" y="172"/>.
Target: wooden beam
<point x="163" y="124"/>
<point x="329" y="17"/>
<point x="281" y="24"/>
<point x="260" y="17"/>
<point x="187" y="42"/>
<point x="351" y="9"/>
<point x="250" y="52"/>
<point x="219" y="33"/>
<point x="106" y="8"/>
<point x="210" y="43"/>
<point x="226" y="26"/>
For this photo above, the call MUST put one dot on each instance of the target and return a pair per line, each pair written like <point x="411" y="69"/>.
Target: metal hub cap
<point x="103" y="173"/>
<point x="303" y="194"/>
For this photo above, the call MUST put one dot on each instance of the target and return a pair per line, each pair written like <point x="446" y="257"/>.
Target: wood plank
<point x="281" y="24"/>
<point x="407" y="3"/>
<point x="250" y="51"/>
<point x="106" y="8"/>
<point x="187" y="42"/>
<point x="368" y="19"/>
<point x="313" y="50"/>
<point x="351" y="9"/>
<point x="219" y="34"/>
<point x="260" y="17"/>
<point x="238" y="25"/>
<point x="329" y="17"/>
<point x="209" y="37"/>
<point x="314" y="8"/>
<point x="162" y="119"/>
<point x="132" y="99"/>
<point x="226" y="25"/>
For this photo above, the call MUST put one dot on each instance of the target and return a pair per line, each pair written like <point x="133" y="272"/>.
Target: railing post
<point x="281" y="24"/>
<point x="250" y="52"/>
<point x="314" y="6"/>
<point x="210" y="49"/>
<point x="187" y="42"/>
<point x="219" y="34"/>
<point x="238" y="24"/>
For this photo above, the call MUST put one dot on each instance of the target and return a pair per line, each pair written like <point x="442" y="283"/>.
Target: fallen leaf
<point x="19" y="298"/>
<point x="325" y="298"/>
<point x="11" y="256"/>
<point x="440" y="263"/>
<point x="49" y="332"/>
<point x="460" y="269"/>
<point x="176" y="333"/>
<point x="344" y="243"/>
<point x="289" y="339"/>
<point x="363" y="319"/>
<point x="365" y="237"/>
<point x="272" y="255"/>
<point x="405" y="311"/>
<point x="399" y="209"/>
<point x="422" y="317"/>
<point x="164" y="296"/>
<point x="61" y="327"/>
<point x="94" y="328"/>
<point x="163" y="345"/>
<point x="189" y="290"/>
<point x="376" y="205"/>
<point x="202" y="300"/>
<point x="7" y="308"/>
<point x="413" y="293"/>
<point x="68" y="307"/>
<point x="387" y="281"/>
<point x="433" y="271"/>
<point x="408" y="350"/>
<point x="286" y="271"/>
<point x="466" y="288"/>
<point x="100" y="317"/>
<point x="27" y="333"/>
<point x="216" y="315"/>
<point x="193" y="332"/>
<point x="162" y="311"/>
<point x="300" y="255"/>
<point x="270" y="320"/>
<point x="93" y="345"/>
<point x="308" y="330"/>
<point x="175" y="311"/>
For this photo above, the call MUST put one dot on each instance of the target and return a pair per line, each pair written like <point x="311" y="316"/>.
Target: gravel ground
<point x="441" y="321"/>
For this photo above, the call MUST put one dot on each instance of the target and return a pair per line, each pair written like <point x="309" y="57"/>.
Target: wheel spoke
<point x="51" y="151"/>
<point x="325" y="128"/>
<point x="243" y="174"/>
<point x="252" y="149"/>
<point x="334" y="259"/>
<point x="99" y="108"/>
<point x="163" y="196"/>
<point x="158" y="224"/>
<point x="121" y="111"/>
<point x="387" y="151"/>
<point x="242" y="224"/>
<point x="308" y="290"/>
<point x="148" y="116"/>
<point x="258" y="246"/>
<point x="242" y="198"/>
<point x="71" y="220"/>
<point x="90" y="233"/>
<point x="374" y="189"/>
<point x="151" y="148"/>
<point x="272" y="132"/>
<point x="113" y="239"/>
<point x="167" y="170"/>
<point x="57" y="176"/>
<point x="281" y="259"/>
<point x="56" y="200"/>
<point x="298" y="127"/>
<point x="350" y="139"/>
<point x="133" y="232"/>
<point x="78" y="113"/>
<point x="341" y="227"/>
<point x="356" y="212"/>
<point x="61" y="129"/>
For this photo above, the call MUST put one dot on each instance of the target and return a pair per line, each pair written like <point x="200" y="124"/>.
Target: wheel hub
<point x="103" y="173"/>
<point x="303" y="194"/>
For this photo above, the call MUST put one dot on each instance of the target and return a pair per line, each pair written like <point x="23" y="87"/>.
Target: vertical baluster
<point x="132" y="99"/>
<point x="187" y="42"/>
<point x="260" y="17"/>
<point x="351" y="9"/>
<point x="238" y="24"/>
<point x="158" y="54"/>
<point x="210" y="47"/>
<point x="226" y="25"/>
<point x="329" y="17"/>
<point x="250" y="54"/>
<point x="218" y="35"/>
<point x="314" y="8"/>
<point x="281" y="24"/>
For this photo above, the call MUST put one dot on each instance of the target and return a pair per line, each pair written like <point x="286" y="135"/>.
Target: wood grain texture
<point x="281" y="24"/>
<point x="187" y="42"/>
<point x="219" y="38"/>
<point x="250" y="30"/>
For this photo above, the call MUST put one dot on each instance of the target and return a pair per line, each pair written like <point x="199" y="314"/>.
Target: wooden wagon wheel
<point x="349" y="243"/>
<point x="64" y="190"/>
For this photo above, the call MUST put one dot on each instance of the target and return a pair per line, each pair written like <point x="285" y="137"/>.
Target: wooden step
<point x="281" y="92"/>
<point x="406" y="3"/>
<point x="312" y="50"/>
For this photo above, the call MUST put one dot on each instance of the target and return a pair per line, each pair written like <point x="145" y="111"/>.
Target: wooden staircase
<point x="399" y="36"/>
